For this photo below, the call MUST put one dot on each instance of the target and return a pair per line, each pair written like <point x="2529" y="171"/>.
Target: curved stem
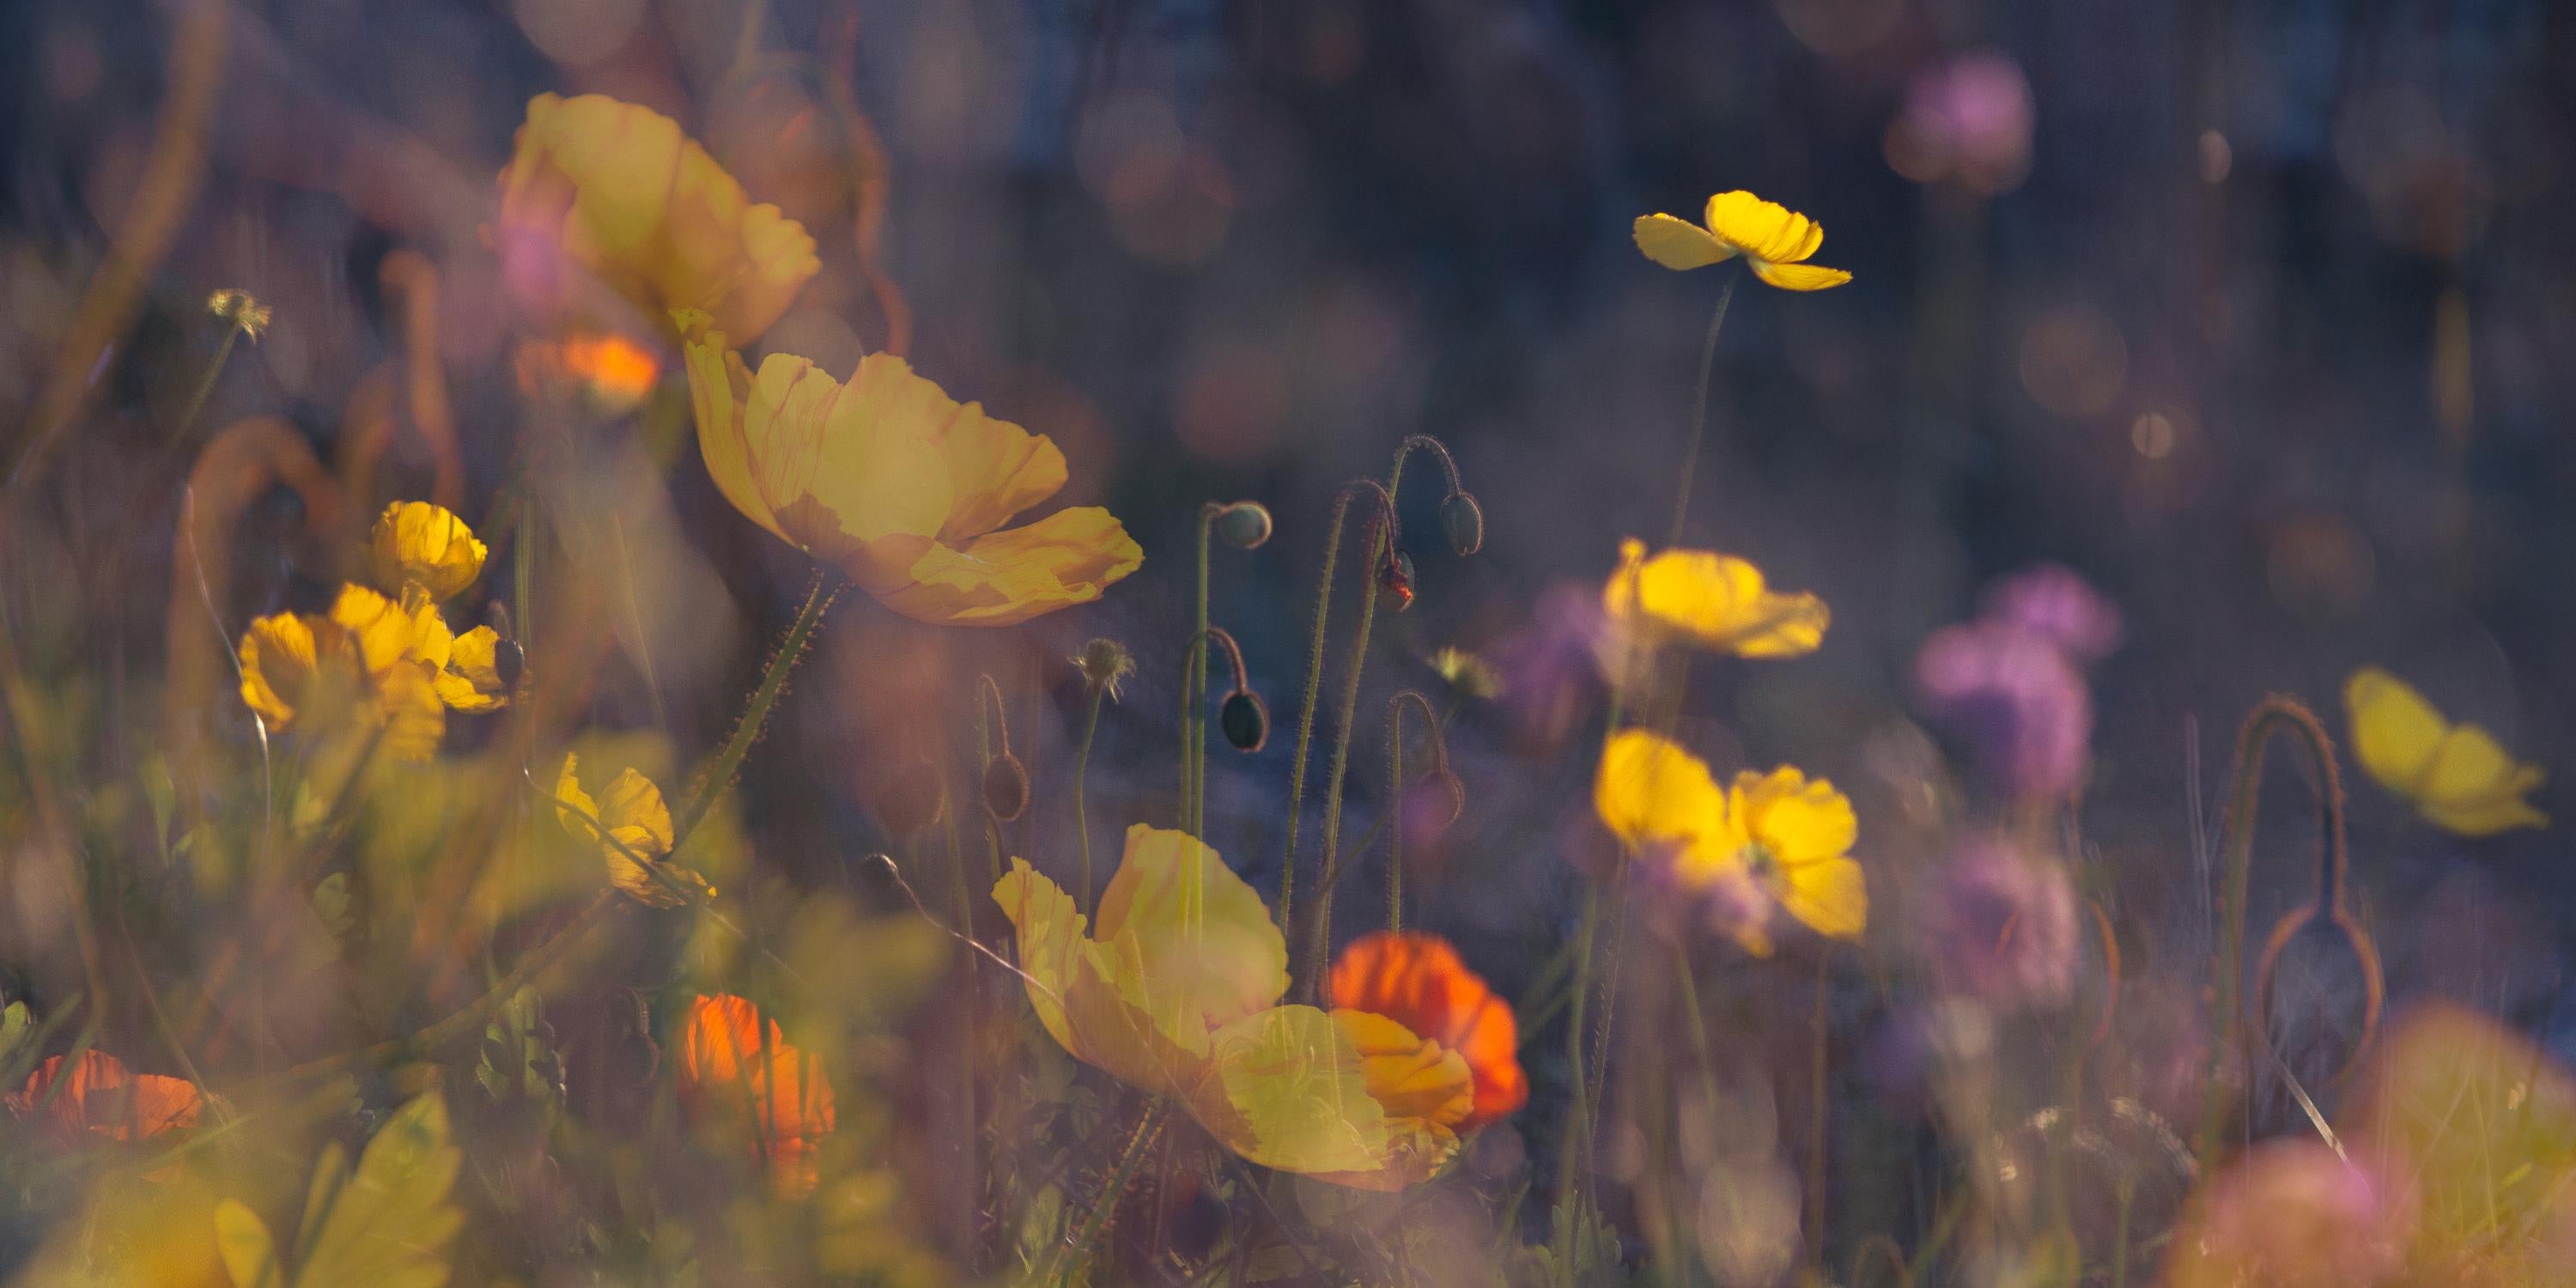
<point x="1395" y="793"/>
<point x="2275" y="714"/>
<point x="746" y="731"/>
<point x="1699" y="408"/>
<point x="1081" y="768"/>
<point x="1321" y="942"/>
<point x="1315" y="683"/>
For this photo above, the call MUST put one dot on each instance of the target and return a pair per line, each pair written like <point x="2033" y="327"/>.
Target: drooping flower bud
<point x="1395" y="578"/>
<point x="1006" y="788"/>
<point x="1244" y="524"/>
<point x="1464" y="521"/>
<point x="1245" y="720"/>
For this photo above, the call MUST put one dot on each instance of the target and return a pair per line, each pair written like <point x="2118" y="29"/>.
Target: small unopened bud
<point x="1244" y="524"/>
<point x="1006" y="788"/>
<point x="1464" y="520"/>
<point x="1395" y="579"/>
<point x="510" y="662"/>
<point x="1245" y="720"/>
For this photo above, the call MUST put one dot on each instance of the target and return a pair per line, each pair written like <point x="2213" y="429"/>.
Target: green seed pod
<point x="1464" y="520"/>
<point x="1244" y="524"/>
<point x="1245" y="720"/>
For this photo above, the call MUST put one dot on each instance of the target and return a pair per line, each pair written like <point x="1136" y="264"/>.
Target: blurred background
<point x="2258" y="316"/>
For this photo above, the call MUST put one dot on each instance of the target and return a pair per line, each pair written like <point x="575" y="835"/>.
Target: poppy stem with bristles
<point x="818" y="601"/>
<point x="1699" y="408"/>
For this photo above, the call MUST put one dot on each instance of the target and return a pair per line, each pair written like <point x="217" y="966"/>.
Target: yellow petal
<point x="1205" y="946"/>
<point x="719" y="391"/>
<point x="390" y="631"/>
<point x="1714" y="601"/>
<point x="2459" y="777"/>
<point x="1830" y="895"/>
<point x="1677" y="243"/>
<point x="1069" y="557"/>
<point x="1762" y="230"/>
<point x="1651" y="792"/>
<point x="995" y="468"/>
<point x="1285" y="1089"/>
<point x="415" y="719"/>
<point x="1796" y="820"/>
<point x="472" y="679"/>
<point x="1799" y="277"/>
<point x="279" y="661"/>
<point x="416" y="543"/>
<point x="1097" y="999"/>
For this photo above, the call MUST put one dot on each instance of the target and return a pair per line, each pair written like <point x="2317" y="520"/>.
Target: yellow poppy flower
<point x="634" y="814"/>
<point x="2458" y="776"/>
<point x="369" y="662"/>
<point x="419" y="544"/>
<point x="1772" y="238"/>
<point x="1176" y="991"/>
<point x="1713" y="601"/>
<point x="619" y="190"/>
<point x="1764" y="840"/>
<point x="899" y="486"/>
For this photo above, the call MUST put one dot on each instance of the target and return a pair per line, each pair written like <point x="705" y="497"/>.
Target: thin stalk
<point x="1147" y="1128"/>
<point x="2275" y="714"/>
<point x="1195" y="776"/>
<point x="746" y="731"/>
<point x="1081" y="818"/>
<point x="1699" y="407"/>
<point x="206" y="387"/>
<point x="1315" y="683"/>
<point x="1816" y="1114"/>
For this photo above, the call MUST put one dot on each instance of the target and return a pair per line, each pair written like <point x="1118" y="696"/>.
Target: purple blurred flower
<point x="1967" y="120"/>
<point x="2001" y="926"/>
<point x="2052" y="602"/>
<point x="2016" y="697"/>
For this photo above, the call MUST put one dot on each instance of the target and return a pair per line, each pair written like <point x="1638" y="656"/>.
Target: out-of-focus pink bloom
<point x="2016" y="697"/>
<point x="1550" y="680"/>
<point x="2294" y="1214"/>
<point x="2001" y="926"/>
<point x="1967" y="121"/>
<point x="2052" y="602"/>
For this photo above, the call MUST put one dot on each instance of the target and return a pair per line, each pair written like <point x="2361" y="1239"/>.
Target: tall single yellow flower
<point x="1176" y="992"/>
<point x="893" y="482"/>
<point x="619" y="190"/>
<point x="635" y="818"/>
<point x="1767" y="839"/>
<point x="417" y="543"/>
<point x="1713" y="601"/>
<point x="370" y="661"/>
<point x="1772" y="238"/>
<point x="2457" y="776"/>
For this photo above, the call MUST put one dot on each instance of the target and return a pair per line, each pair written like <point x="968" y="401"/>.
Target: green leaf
<point x="248" y="1253"/>
<point x="390" y="1224"/>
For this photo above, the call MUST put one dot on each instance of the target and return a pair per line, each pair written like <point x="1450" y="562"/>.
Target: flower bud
<point x="1245" y="720"/>
<point x="1464" y="521"/>
<point x="1244" y="524"/>
<point x="1395" y="579"/>
<point x="509" y="661"/>
<point x="1006" y="788"/>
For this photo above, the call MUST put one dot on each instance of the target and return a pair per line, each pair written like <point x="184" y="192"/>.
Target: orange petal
<point x="1417" y="980"/>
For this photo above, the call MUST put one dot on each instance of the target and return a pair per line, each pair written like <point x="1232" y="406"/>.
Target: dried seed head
<point x="1006" y="788"/>
<point x="240" y="309"/>
<point x="1244" y="524"/>
<point x="1245" y="720"/>
<point x="1103" y="663"/>
<point x="1464" y="521"/>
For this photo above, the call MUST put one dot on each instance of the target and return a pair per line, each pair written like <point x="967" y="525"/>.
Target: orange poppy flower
<point x="736" y="1067"/>
<point x="100" y="1095"/>
<point x="1417" y="980"/>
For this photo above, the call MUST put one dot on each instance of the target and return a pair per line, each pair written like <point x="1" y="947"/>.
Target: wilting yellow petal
<point x="471" y="680"/>
<point x="2458" y="777"/>
<point x="1713" y="601"/>
<point x="1678" y="243"/>
<point x="416" y="543"/>
<point x="1069" y="557"/>
<point x="619" y="190"/>
<point x="1799" y="277"/>
<point x="1650" y="792"/>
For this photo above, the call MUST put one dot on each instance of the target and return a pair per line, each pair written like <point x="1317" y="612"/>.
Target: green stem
<point x="1147" y="1128"/>
<point x="1081" y="768"/>
<point x="1195" y="774"/>
<point x="206" y="387"/>
<point x="1314" y="686"/>
<point x="1578" y="1122"/>
<point x="1395" y="815"/>
<point x="2275" y="714"/>
<point x="746" y="731"/>
<point x="1699" y="407"/>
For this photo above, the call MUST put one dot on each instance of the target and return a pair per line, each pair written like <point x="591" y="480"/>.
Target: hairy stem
<point x="1699" y="408"/>
<point x="1315" y="684"/>
<point x="746" y="731"/>
<point x="1081" y="817"/>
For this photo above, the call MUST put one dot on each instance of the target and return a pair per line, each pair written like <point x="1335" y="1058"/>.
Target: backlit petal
<point x="1651" y="792"/>
<point x="1799" y="277"/>
<point x="1067" y="558"/>
<point x="1677" y="243"/>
